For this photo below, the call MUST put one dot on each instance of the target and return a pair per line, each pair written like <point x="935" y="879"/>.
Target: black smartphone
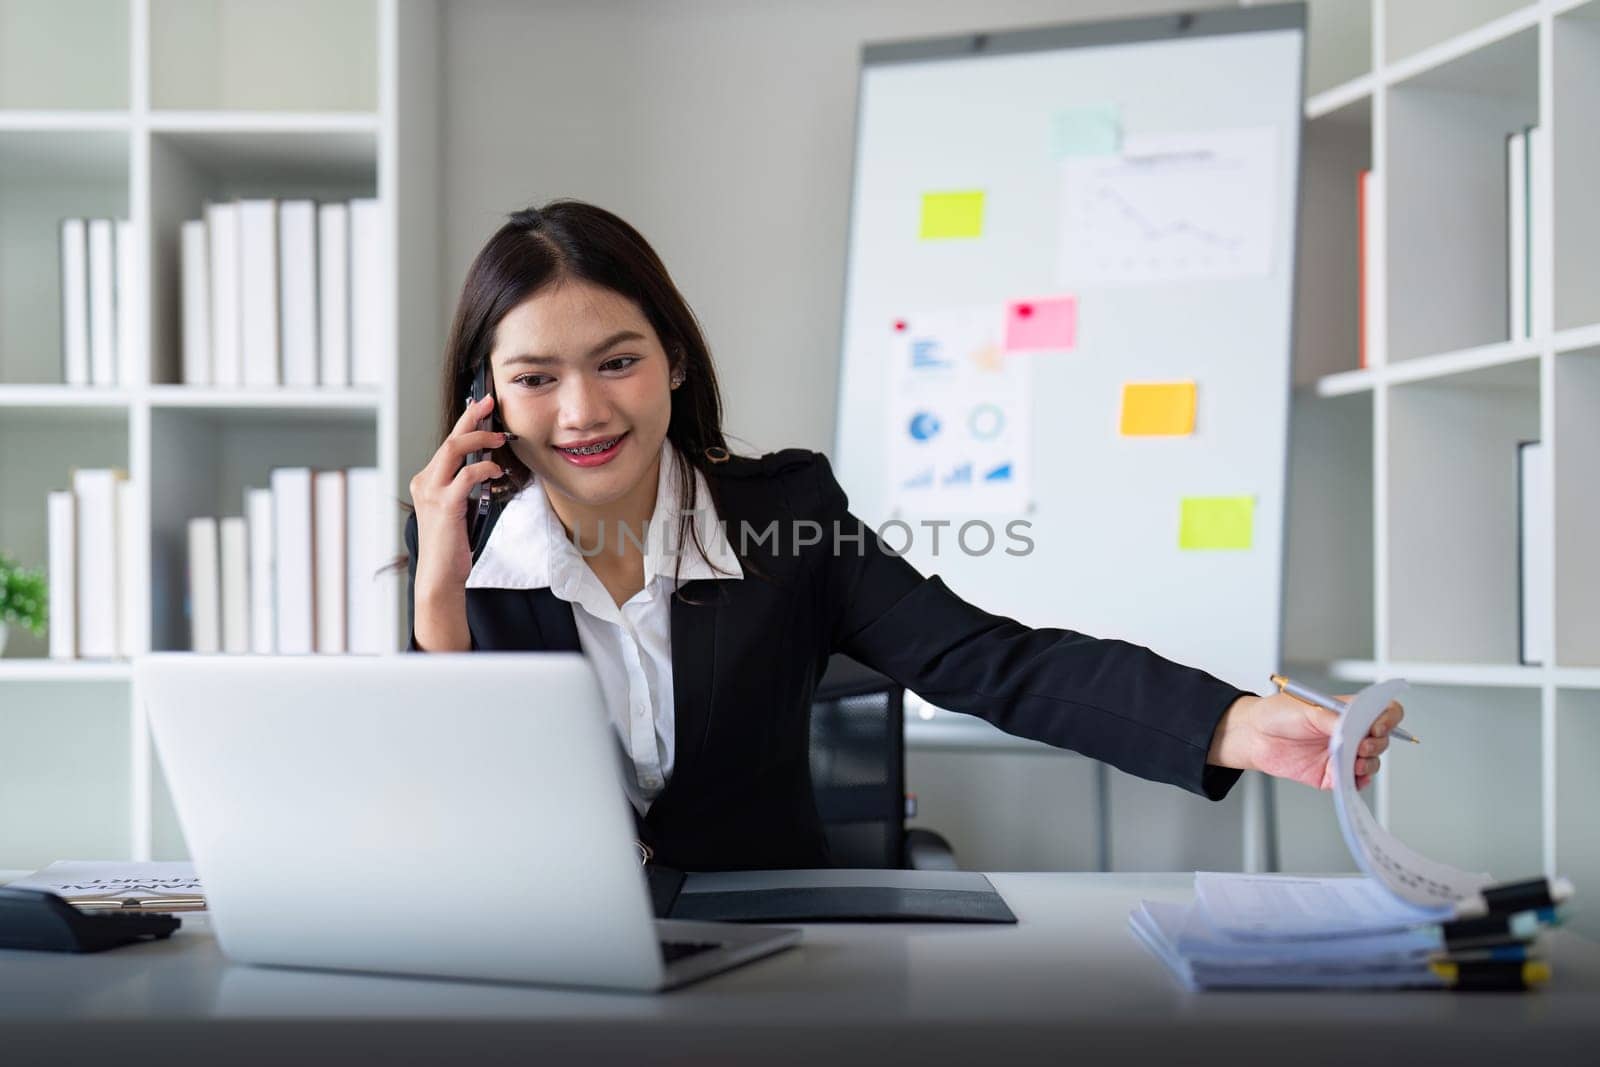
<point x="480" y="500"/>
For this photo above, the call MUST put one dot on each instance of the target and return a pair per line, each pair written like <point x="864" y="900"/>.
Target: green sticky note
<point x="1087" y="131"/>
<point x="1217" y="522"/>
<point x="952" y="215"/>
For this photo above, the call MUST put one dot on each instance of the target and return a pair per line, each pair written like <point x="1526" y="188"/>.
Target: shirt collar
<point x="528" y="548"/>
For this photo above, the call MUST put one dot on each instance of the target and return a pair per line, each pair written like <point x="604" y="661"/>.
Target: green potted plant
<point x="23" y="598"/>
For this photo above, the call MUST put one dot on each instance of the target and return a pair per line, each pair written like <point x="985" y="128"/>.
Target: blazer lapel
<point x="694" y="663"/>
<point x="552" y="616"/>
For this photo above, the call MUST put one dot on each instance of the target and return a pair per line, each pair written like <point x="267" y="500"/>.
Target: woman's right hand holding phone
<point x="439" y="492"/>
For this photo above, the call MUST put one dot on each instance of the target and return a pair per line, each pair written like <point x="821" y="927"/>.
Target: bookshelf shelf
<point x="246" y="122"/>
<point x="64" y="671"/>
<point x="1340" y="97"/>
<point x="1451" y="394"/>
<point x="65" y="399"/>
<point x="281" y="402"/>
<point x="65" y="121"/>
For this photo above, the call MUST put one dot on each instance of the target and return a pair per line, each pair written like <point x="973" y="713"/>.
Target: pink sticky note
<point x="1046" y="325"/>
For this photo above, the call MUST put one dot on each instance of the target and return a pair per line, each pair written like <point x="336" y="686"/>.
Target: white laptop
<point x="453" y="815"/>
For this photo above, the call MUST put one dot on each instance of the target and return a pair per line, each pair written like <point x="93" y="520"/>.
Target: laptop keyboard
<point x="672" y="951"/>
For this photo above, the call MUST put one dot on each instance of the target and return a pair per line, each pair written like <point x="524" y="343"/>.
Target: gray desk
<point x="1068" y="983"/>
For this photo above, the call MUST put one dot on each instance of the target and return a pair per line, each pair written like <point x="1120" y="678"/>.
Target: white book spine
<point x="98" y="589"/>
<point x="258" y="291"/>
<point x="368" y="337"/>
<point x="366" y="613"/>
<point x="233" y="544"/>
<point x="333" y="285"/>
<point x="1516" y="236"/>
<point x="75" y="301"/>
<point x="128" y="361"/>
<point x="1537" y="254"/>
<point x="1534" y="544"/>
<point x="297" y="290"/>
<point x="294" y="560"/>
<point x="330" y="567"/>
<point x="130" y="535"/>
<point x="195" y="257"/>
<point x="62" y="519"/>
<point x="263" y="625"/>
<point x="204" y="581"/>
<point x="102" y="302"/>
<point x="222" y="231"/>
<point x="1372" y="297"/>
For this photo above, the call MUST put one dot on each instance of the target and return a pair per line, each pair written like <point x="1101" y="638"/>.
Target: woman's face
<point x="582" y="379"/>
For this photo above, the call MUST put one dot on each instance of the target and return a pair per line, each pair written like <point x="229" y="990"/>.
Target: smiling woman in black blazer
<point x="709" y="589"/>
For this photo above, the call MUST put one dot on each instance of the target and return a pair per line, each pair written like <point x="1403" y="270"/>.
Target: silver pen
<point x="1338" y="707"/>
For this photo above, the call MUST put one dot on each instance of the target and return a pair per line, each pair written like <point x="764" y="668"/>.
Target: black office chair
<point x="858" y="773"/>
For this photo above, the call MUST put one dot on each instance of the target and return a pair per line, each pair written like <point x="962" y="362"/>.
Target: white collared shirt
<point x="630" y="647"/>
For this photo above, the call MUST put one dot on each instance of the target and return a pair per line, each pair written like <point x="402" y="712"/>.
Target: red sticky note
<point x="1046" y="325"/>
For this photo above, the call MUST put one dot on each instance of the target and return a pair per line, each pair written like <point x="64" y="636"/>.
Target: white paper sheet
<point x="958" y="431"/>
<point x="1289" y="907"/>
<point x="125" y="881"/>
<point x="1171" y="206"/>
<point x="1411" y="877"/>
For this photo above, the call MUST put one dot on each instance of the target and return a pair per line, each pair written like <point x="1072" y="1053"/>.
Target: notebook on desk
<point x="827" y="896"/>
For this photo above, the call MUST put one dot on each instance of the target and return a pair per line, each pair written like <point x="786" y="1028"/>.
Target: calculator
<point x="40" y="920"/>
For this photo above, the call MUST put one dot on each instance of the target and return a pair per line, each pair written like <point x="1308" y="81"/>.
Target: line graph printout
<point x="1171" y="206"/>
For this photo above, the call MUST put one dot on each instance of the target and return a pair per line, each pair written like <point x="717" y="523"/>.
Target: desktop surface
<point x="1069" y="975"/>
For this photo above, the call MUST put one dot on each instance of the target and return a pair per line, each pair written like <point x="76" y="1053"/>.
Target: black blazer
<point x="746" y="657"/>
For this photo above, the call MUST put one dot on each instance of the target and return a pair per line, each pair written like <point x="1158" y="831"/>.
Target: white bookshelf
<point x="146" y="109"/>
<point x="1403" y="515"/>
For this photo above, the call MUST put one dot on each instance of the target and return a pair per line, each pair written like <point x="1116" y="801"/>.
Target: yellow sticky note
<point x="952" y="215"/>
<point x="1217" y="522"/>
<point x="1158" y="409"/>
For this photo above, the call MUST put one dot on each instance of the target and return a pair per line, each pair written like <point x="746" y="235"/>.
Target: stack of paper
<point x="1412" y="922"/>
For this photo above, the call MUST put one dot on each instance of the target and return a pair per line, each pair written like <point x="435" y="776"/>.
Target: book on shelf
<point x="258" y="291"/>
<point x="371" y="614"/>
<point x="1535" y="208"/>
<point x="75" y="301"/>
<point x="102" y="302"/>
<point x="61" y="516"/>
<point x="368" y="344"/>
<point x="129" y="524"/>
<point x="1534" y="572"/>
<point x="97" y="583"/>
<point x="1367" y="295"/>
<point x="1517" y="235"/>
<point x="328" y="525"/>
<point x="222" y="235"/>
<point x="297" y="291"/>
<point x="127" y="304"/>
<point x="263" y="614"/>
<point x="333" y="293"/>
<point x="294" y="577"/>
<point x="195" y="259"/>
<point x="204" y="582"/>
<point x="234" y="564"/>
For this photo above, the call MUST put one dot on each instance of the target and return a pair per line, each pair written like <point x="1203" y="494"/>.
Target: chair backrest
<point x="858" y="765"/>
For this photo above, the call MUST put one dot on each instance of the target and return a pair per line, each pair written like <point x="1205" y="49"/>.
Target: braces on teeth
<point x="589" y="450"/>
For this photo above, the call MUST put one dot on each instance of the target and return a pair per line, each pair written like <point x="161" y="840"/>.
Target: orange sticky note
<point x="1047" y="325"/>
<point x="1158" y="409"/>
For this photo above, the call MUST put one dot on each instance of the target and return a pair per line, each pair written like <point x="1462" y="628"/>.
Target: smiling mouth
<point x="594" y="448"/>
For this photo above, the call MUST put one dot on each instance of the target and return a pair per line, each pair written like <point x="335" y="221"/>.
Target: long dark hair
<point x="569" y="239"/>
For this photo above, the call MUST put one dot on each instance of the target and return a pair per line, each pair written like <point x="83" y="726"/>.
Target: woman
<point x="609" y="457"/>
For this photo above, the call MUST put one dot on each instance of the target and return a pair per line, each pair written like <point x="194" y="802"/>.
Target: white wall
<point x="724" y="131"/>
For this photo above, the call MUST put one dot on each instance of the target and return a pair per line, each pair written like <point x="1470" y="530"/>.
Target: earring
<point x="677" y="378"/>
